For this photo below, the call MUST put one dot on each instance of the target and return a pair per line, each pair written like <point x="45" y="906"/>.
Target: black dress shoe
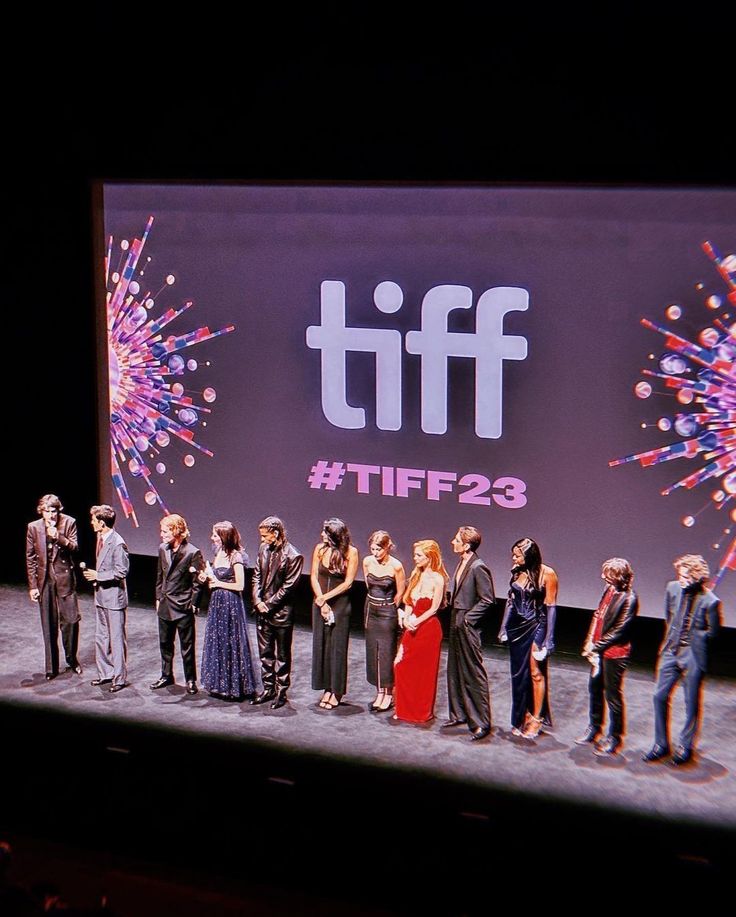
<point x="192" y="687"/>
<point x="449" y="723"/>
<point x="51" y="675"/>
<point x="656" y="753"/>
<point x="590" y="735"/>
<point x="279" y="701"/>
<point x="607" y="748"/>
<point x="681" y="756"/>
<point x="480" y="733"/>
<point x="264" y="697"/>
<point x="96" y="682"/>
<point x="76" y="668"/>
<point x="115" y="688"/>
<point x="162" y="682"/>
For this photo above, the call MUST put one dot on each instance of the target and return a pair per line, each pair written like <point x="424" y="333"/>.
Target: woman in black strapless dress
<point x="384" y="579"/>
<point x="334" y="565"/>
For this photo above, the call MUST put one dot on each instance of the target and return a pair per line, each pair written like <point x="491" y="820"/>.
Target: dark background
<point x="332" y="95"/>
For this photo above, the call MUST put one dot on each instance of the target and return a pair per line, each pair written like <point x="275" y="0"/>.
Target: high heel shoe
<point x="387" y="703"/>
<point x="376" y="705"/>
<point x="533" y="727"/>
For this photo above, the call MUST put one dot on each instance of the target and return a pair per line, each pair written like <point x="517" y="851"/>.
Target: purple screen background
<point x="593" y="261"/>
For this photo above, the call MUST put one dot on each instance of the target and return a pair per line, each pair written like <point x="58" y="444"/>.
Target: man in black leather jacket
<point x="275" y="578"/>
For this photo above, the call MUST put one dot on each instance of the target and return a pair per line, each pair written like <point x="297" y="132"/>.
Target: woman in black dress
<point x="334" y="565"/>
<point x="384" y="579"/>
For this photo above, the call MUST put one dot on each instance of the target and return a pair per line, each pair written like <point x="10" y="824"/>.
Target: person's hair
<point x="619" y="571"/>
<point x="469" y="534"/>
<point x="338" y="535"/>
<point x="532" y="561"/>
<point x="49" y="501"/>
<point x="697" y="565"/>
<point x="274" y="524"/>
<point x="382" y="539"/>
<point x="105" y="514"/>
<point x="434" y="556"/>
<point x="229" y="536"/>
<point x="177" y="524"/>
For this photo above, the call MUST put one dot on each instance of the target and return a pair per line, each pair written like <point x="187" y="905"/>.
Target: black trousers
<point x="467" y="680"/>
<point x="608" y="684"/>
<point x="274" y="647"/>
<point x="49" y="606"/>
<point x="167" y="631"/>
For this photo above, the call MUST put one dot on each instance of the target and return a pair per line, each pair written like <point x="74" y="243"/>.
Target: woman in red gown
<point x="418" y="659"/>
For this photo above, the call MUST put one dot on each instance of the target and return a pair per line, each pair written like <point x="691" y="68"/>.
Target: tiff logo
<point x="488" y="346"/>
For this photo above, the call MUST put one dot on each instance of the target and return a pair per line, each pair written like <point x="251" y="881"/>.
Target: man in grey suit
<point x="50" y="543"/>
<point x="471" y="595"/>
<point x="111" y="600"/>
<point x="693" y="617"/>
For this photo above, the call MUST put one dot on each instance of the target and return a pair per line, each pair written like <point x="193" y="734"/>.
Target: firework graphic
<point x="702" y="376"/>
<point x="150" y="408"/>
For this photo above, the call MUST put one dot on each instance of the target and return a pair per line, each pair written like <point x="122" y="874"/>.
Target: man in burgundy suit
<point x="50" y="543"/>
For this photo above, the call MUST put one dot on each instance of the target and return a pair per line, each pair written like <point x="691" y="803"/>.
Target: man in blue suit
<point x="111" y="600"/>
<point x="693" y="617"/>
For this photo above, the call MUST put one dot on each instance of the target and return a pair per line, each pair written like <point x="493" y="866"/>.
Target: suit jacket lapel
<point x="612" y="610"/>
<point x="274" y="561"/>
<point x="459" y="582"/>
<point x="106" y="545"/>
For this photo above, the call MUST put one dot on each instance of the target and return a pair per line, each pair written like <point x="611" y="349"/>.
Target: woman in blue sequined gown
<point x="227" y="669"/>
<point x="528" y="626"/>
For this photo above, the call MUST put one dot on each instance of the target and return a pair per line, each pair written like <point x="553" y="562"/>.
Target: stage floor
<point x="553" y="766"/>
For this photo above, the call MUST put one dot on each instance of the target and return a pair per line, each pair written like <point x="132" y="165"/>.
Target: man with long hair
<point x="607" y="648"/>
<point x="51" y="542"/>
<point x="275" y="578"/>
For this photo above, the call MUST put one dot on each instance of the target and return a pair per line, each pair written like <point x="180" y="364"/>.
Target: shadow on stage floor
<point x="335" y="803"/>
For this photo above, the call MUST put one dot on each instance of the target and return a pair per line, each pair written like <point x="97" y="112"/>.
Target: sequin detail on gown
<point x="227" y="669"/>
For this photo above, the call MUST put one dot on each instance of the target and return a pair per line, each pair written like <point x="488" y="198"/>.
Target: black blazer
<point x="178" y="591"/>
<point x="61" y="561"/>
<point x="617" y="621"/>
<point x="473" y="595"/>
<point x="704" y="622"/>
<point x="277" y="589"/>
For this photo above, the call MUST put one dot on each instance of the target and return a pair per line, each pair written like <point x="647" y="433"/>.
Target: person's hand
<point x="89" y="575"/>
<point x="34" y="594"/>
<point x="202" y="576"/>
<point x="541" y="654"/>
<point x="503" y="637"/>
<point x="410" y="622"/>
<point x="262" y="607"/>
<point x="52" y="532"/>
<point x="319" y="601"/>
<point x="402" y="616"/>
<point x="326" y="611"/>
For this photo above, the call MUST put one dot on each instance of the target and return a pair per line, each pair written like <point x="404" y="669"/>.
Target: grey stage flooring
<point x="553" y="766"/>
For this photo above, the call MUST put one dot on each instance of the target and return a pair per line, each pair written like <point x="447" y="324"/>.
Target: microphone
<point x="83" y="567"/>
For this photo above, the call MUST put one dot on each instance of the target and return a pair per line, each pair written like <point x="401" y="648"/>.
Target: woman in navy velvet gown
<point x="227" y="668"/>
<point x="528" y="626"/>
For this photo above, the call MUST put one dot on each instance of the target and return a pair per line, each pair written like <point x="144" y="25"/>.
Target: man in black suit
<point x="693" y="617"/>
<point x="608" y="647"/>
<point x="50" y="543"/>
<point x="275" y="578"/>
<point x="471" y="595"/>
<point x="178" y="591"/>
